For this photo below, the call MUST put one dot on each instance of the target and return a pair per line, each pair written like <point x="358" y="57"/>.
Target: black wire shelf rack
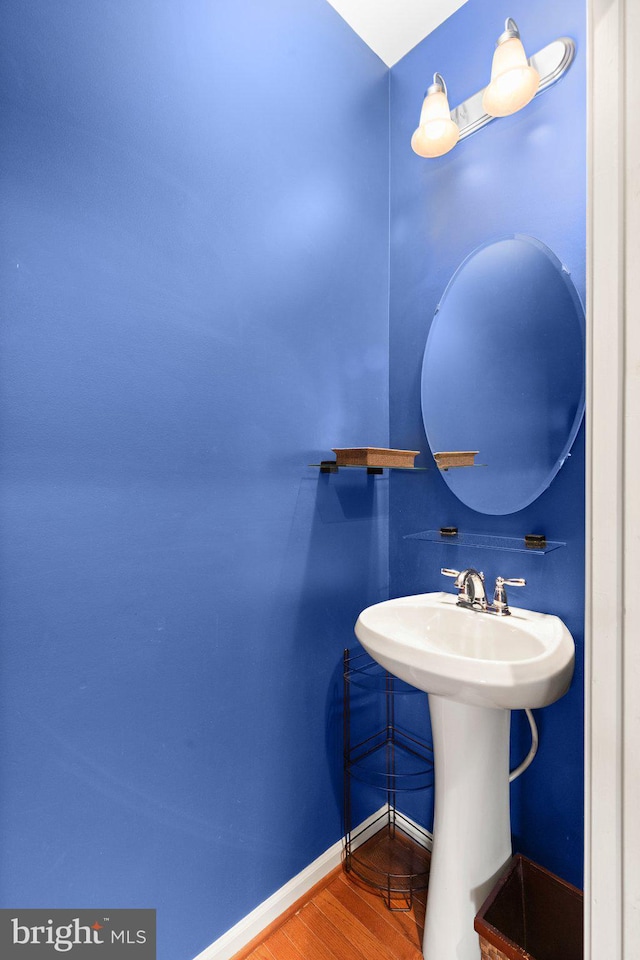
<point x="390" y="852"/>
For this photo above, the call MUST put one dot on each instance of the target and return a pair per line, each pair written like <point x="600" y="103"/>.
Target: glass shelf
<point x="486" y="542"/>
<point x="462" y="466"/>
<point x="330" y="466"/>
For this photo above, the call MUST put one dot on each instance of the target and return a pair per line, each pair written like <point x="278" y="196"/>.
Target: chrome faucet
<point x="470" y="586"/>
<point x="471" y="592"/>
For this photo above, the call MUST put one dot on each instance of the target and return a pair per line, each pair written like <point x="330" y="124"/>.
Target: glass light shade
<point x="437" y="133"/>
<point x="513" y="82"/>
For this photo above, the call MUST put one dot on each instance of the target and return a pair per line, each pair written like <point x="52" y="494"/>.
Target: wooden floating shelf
<point x="456" y="458"/>
<point x="374" y="457"/>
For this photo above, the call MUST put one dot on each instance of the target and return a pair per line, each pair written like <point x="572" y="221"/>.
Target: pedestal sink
<point x="475" y="668"/>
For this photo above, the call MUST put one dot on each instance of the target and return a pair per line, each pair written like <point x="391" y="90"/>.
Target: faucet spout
<point x="471" y="592"/>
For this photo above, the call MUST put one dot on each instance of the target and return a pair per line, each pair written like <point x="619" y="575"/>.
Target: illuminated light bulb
<point x="514" y="83"/>
<point x="437" y="133"/>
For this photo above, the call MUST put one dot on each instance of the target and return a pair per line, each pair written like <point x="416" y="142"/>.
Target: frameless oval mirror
<point x="503" y="373"/>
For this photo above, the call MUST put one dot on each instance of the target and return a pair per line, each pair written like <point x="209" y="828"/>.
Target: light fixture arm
<point x="438" y="85"/>
<point x="552" y="62"/>
<point x="511" y="31"/>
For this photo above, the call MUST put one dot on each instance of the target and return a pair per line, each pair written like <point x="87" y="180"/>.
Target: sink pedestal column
<point x="472" y="827"/>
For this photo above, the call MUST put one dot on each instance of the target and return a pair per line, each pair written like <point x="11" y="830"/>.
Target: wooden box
<point x="374" y="457"/>
<point x="531" y="915"/>
<point x="455" y="458"/>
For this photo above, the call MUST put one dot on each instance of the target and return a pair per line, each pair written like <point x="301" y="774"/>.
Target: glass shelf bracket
<point x="330" y="466"/>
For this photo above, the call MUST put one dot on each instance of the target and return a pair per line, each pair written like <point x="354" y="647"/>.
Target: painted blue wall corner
<point x="524" y="174"/>
<point x="195" y="285"/>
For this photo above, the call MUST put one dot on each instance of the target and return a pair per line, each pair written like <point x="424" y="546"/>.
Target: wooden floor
<point x="344" y="919"/>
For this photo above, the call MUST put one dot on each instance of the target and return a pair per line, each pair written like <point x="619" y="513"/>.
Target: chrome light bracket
<point x="552" y="62"/>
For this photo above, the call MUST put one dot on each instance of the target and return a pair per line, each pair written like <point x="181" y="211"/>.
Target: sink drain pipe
<point x="528" y="760"/>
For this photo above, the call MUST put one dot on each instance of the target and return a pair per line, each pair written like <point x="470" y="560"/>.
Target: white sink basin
<point x="476" y="668"/>
<point x="525" y="660"/>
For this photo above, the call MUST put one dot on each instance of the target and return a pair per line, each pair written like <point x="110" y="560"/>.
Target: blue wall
<point x="194" y="298"/>
<point x="523" y="174"/>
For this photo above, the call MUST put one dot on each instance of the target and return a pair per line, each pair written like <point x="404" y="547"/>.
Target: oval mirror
<point x="503" y="373"/>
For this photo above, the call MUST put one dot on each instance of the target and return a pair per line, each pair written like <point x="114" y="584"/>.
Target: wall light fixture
<point x="437" y="133"/>
<point x="515" y="81"/>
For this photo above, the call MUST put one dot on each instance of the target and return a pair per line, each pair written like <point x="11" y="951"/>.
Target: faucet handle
<point x="446" y="572"/>
<point x="500" y="604"/>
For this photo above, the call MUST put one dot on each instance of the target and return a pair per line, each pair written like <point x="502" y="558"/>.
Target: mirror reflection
<point x="503" y="373"/>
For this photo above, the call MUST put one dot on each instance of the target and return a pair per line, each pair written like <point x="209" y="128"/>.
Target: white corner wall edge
<point x="612" y="652"/>
<point x="269" y="910"/>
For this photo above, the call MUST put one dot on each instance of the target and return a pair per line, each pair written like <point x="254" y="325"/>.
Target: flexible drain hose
<point x="528" y="760"/>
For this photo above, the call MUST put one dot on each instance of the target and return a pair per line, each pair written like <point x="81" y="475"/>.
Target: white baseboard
<point x="269" y="910"/>
<point x="414" y="830"/>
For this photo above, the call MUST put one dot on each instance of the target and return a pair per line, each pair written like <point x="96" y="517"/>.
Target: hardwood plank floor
<point x="344" y="919"/>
